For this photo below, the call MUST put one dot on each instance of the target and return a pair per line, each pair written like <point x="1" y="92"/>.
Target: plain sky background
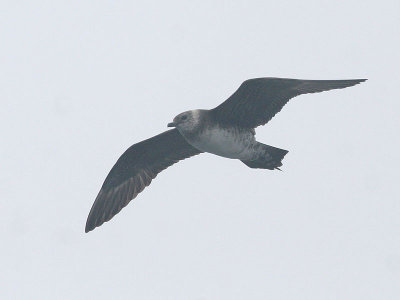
<point x="81" y="81"/>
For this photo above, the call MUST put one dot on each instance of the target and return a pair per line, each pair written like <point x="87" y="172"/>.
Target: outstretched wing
<point x="258" y="100"/>
<point x="134" y="170"/>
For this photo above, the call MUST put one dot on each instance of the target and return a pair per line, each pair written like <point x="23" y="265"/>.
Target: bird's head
<point x="186" y="121"/>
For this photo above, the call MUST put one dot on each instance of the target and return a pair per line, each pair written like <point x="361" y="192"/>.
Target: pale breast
<point x="230" y="143"/>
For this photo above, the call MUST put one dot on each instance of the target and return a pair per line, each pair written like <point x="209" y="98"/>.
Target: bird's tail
<point x="269" y="158"/>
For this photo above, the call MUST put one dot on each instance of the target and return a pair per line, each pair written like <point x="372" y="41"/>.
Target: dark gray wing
<point x="258" y="100"/>
<point x="134" y="170"/>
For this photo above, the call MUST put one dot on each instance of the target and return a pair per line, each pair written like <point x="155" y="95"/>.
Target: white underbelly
<point x="226" y="143"/>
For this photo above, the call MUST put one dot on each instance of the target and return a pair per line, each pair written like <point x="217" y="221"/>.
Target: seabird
<point x="226" y="130"/>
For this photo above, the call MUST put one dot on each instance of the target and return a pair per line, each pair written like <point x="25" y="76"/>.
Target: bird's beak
<point x="172" y="124"/>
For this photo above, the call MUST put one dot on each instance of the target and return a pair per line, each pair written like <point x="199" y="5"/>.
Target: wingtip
<point x="362" y="80"/>
<point x="358" y="81"/>
<point x="352" y="82"/>
<point x="344" y="83"/>
<point x="91" y="224"/>
<point x="89" y="228"/>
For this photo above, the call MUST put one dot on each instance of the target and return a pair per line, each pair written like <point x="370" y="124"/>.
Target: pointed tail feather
<point x="269" y="158"/>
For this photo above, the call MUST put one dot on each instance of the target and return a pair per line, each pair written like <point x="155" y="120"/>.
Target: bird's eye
<point x="183" y="117"/>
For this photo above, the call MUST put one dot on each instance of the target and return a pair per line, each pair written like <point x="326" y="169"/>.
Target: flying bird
<point x="226" y="130"/>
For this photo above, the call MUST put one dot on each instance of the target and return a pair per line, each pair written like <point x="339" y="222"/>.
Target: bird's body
<point x="226" y="141"/>
<point x="226" y="131"/>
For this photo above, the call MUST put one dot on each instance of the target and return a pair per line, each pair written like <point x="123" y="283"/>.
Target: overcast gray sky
<point x="83" y="80"/>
